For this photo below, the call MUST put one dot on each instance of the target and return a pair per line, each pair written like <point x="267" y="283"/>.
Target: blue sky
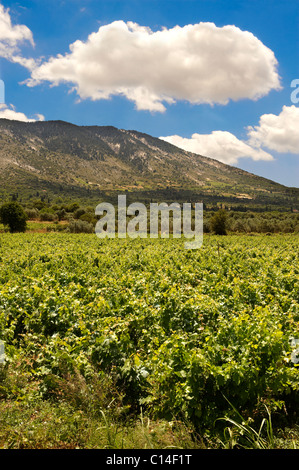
<point x="211" y="76"/>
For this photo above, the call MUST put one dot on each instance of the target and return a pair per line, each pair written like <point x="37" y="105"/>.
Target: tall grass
<point x="241" y="434"/>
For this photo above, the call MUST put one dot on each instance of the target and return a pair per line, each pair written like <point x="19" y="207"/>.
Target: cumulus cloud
<point x="199" y="63"/>
<point x="274" y="132"/>
<point x="9" y="112"/>
<point x="279" y="133"/>
<point x="220" y="145"/>
<point x="11" y="36"/>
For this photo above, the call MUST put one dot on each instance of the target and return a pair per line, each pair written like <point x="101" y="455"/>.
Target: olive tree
<point x="218" y="222"/>
<point x="13" y="215"/>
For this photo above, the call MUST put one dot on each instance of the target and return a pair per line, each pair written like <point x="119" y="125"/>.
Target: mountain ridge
<point x="93" y="161"/>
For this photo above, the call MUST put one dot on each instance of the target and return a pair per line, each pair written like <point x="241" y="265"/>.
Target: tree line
<point x="78" y="218"/>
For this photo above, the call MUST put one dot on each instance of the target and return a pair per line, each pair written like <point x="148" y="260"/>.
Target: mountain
<point x="57" y="158"/>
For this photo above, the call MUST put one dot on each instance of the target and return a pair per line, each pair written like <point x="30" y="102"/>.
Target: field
<point x="141" y="343"/>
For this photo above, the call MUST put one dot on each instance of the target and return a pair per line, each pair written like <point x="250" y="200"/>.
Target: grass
<point x="78" y="414"/>
<point x="48" y="425"/>
<point x="83" y="415"/>
<point x="60" y="426"/>
<point x="242" y="435"/>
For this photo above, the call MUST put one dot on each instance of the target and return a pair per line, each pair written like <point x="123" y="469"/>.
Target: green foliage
<point x="46" y="215"/>
<point x="90" y="163"/>
<point x="80" y="226"/>
<point x="240" y="434"/>
<point x="12" y="214"/>
<point x="167" y="329"/>
<point x="32" y="213"/>
<point x="218" y="222"/>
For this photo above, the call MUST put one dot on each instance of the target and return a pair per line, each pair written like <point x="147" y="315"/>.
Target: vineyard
<point x="105" y="331"/>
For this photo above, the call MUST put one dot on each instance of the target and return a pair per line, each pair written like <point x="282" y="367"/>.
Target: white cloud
<point x="11" y="36"/>
<point x="198" y="63"/>
<point x="279" y="133"/>
<point x="9" y="112"/>
<point x="220" y="145"/>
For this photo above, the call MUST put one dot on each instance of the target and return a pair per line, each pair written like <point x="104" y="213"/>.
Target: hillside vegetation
<point x="93" y="163"/>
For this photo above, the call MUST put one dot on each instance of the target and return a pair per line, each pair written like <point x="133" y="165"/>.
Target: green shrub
<point x="32" y="214"/>
<point x="80" y="226"/>
<point x="12" y="214"/>
<point x="47" y="217"/>
<point x="218" y="222"/>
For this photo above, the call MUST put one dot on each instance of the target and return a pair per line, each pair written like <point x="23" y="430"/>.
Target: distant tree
<point x="39" y="204"/>
<point x="218" y="222"/>
<point x="80" y="226"/>
<point x="79" y="212"/>
<point x="13" y="215"/>
<point x="61" y="214"/>
<point x="73" y="207"/>
<point x="31" y="214"/>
